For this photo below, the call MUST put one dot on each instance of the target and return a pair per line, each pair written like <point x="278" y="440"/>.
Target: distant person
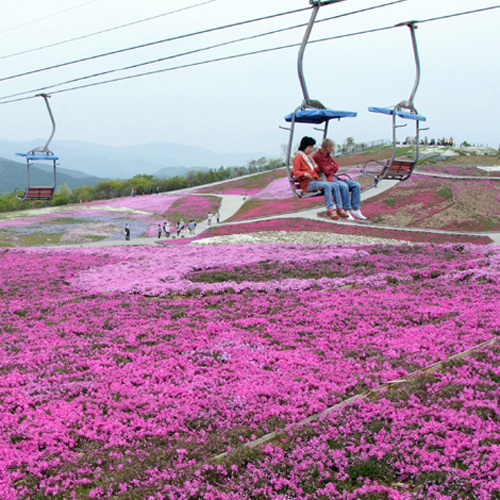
<point x="159" y="231"/>
<point x="157" y="189"/>
<point x="191" y="226"/>
<point x="127" y="232"/>
<point x="210" y="217"/>
<point x="350" y="191"/>
<point x="306" y="172"/>
<point x="218" y="216"/>
<point x="150" y="190"/>
<point x="166" y="229"/>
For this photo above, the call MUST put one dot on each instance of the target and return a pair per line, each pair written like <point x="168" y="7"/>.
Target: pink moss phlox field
<point x="255" y="208"/>
<point x="436" y="437"/>
<point x="124" y="371"/>
<point x="157" y="204"/>
<point x="275" y="190"/>
<point x="48" y="217"/>
<point x="299" y="224"/>
<point x="438" y="203"/>
<point x="248" y="185"/>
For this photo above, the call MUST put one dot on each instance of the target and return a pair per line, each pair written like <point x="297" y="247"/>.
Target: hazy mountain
<point x="124" y="162"/>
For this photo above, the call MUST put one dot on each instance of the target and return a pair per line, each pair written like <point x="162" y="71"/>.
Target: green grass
<point x="8" y="239"/>
<point x="446" y="193"/>
<point x="39" y="239"/>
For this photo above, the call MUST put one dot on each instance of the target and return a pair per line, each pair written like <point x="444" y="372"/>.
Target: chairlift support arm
<point x="412" y="25"/>
<point x="300" y="59"/>
<point x="45" y="148"/>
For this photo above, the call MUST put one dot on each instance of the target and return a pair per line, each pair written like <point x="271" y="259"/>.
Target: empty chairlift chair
<point x="40" y="154"/>
<point x="399" y="168"/>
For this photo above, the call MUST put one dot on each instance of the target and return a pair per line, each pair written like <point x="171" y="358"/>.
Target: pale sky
<point x="239" y="104"/>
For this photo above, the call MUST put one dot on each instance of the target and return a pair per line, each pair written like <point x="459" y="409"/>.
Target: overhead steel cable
<point x="46" y="17"/>
<point x="201" y="63"/>
<point x="194" y="51"/>
<point x="236" y="56"/>
<point x="459" y="14"/>
<point x="115" y="28"/>
<point x="151" y="44"/>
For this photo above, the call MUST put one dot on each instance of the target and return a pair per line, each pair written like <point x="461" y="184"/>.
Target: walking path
<point x="230" y="204"/>
<point x="458" y="177"/>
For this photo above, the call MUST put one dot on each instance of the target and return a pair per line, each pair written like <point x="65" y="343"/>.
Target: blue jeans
<point x="350" y="192"/>
<point x="327" y="187"/>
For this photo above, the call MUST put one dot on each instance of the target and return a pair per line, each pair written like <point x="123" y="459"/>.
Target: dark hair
<point x="306" y="141"/>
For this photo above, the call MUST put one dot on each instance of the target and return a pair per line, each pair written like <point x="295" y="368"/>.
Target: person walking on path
<point x="166" y="229"/>
<point x="127" y="232"/>
<point x="210" y="217"/>
<point x="218" y="216"/>
<point x="159" y="231"/>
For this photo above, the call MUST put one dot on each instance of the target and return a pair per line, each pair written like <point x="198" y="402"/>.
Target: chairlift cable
<point x="236" y="56"/>
<point x="47" y="17"/>
<point x="191" y="52"/>
<point x="458" y="14"/>
<point x="115" y="28"/>
<point x="150" y="44"/>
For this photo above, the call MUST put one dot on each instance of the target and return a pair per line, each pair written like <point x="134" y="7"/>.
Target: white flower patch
<point x="301" y="237"/>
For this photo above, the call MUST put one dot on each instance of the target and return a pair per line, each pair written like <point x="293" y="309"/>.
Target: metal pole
<point x="46" y="99"/>
<point x="411" y="25"/>
<point x="300" y="58"/>
<point x="417" y="61"/>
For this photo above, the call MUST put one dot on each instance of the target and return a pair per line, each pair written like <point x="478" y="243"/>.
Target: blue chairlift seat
<point x="38" y="157"/>
<point x="401" y="114"/>
<point x="319" y="115"/>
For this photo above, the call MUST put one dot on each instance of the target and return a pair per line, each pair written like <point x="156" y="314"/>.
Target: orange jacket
<point x="300" y="167"/>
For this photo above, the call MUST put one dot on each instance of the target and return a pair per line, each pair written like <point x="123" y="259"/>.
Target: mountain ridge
<point x="124" y="162"/>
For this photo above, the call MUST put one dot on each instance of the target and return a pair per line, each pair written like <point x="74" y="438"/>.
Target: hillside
<point x="425" y="205"/>
<point x="290" y="357"/>
<point x="13" y="175"/>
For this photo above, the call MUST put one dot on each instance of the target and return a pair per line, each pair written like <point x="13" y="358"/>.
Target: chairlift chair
<point x="43" y="154"/>
<point x="399" y="168"/>
<point x="310" y="111"/>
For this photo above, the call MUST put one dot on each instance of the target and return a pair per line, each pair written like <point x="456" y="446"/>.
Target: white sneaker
<point x="358" y="214"/>
<point x="350" y="216"/>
